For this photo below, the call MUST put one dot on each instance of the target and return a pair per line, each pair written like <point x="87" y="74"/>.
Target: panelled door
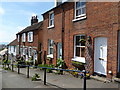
<point x="100" y="55"/>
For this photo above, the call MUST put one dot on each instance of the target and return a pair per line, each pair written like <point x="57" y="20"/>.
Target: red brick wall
<point x="102" y="21"/>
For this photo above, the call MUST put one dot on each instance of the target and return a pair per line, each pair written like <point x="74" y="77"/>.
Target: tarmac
<point x="15" y="80"/>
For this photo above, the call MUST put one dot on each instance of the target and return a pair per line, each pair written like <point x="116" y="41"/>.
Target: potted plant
<point x="36" y="77"/>
<point x="82" y="40"/>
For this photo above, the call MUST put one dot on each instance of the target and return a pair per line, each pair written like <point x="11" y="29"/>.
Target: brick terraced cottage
<point x="96" y="23"/>
<point x="13" y="50"/>
<point x="30" y="41"/>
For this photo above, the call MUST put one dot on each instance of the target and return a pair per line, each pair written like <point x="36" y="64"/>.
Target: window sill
<point x="50" y="27"/>
<point x="78" y="19"/>
<point x="79" y="59"/>
<point x="50" y="56"/>
<point x="30" y="41"/>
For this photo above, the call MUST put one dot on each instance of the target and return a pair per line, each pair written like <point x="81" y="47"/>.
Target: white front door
<point x="100" y="55"/>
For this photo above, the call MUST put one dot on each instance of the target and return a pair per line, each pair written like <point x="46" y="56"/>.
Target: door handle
<point x="101" y="59"/>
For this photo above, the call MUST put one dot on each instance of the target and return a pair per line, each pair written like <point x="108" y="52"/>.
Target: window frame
<point x="23" y="37"/>
<point x="50" y="47"/>
<point x="81" y="16"/>
<point x="30" y="36"/>
<point x="51" y="25"/>
<point x="77" y="45"/>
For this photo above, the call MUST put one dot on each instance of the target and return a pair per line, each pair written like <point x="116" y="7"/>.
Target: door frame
<point x="118" y="52"/>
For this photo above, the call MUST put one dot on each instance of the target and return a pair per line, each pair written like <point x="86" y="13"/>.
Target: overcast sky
<point x="15" y="16"/>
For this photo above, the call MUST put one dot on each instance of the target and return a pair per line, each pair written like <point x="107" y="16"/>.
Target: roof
<point x="33" y="27"/>
<point x="13" y="43"/>
<point x="56" y="7"/>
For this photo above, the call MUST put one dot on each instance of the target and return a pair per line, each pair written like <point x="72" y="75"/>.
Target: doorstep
<point x="103" y="79"/>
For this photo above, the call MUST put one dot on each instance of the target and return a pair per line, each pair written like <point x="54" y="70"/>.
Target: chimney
<point x="58" y="2"/>
<point x="34" y="20"/>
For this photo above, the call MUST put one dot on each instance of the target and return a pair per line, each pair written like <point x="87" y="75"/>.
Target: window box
<point x="78" y="65"/>
<point x="79" y="59"/>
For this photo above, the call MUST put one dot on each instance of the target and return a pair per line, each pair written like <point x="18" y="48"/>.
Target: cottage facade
<point x="95" y="22"/>
<point x="30" y="41"/>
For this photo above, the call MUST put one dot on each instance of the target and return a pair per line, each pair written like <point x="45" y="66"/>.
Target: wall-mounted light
<point x="89" y="38"/>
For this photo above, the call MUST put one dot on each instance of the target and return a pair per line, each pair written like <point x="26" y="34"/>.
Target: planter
<point x="79" y="66"/>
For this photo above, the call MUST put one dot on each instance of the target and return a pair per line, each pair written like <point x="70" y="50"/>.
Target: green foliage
<point x="60" y="63"/>
<point x="47" y="66"/>
<point x="82" y="40"/>
<point x="6" y="62"/>
<point x="27" y="63"/>
<point x="80" y="63"/>
<point x="35" y="77"/>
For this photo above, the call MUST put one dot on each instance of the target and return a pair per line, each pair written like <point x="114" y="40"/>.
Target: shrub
<point x="35" y="77"/>
<point x="60" y="63"/>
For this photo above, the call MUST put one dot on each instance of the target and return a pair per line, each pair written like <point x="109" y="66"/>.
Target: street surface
<point x="13" y="80"/>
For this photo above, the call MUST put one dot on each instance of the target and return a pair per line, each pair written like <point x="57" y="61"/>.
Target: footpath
<point x="67" y="80"/>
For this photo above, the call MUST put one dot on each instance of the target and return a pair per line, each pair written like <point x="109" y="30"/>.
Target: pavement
<point x="15" y="80"/>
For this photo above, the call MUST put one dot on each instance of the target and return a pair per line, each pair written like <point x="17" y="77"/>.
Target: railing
<point x="28" y="69"/>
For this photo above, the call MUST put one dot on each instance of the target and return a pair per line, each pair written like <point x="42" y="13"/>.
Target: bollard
<point x="18" y="69"/>
<point x="28" y="72"/>
<point x="44" y="76"/>
<point x="84" y="87"/>
<point x="12" y="68"/>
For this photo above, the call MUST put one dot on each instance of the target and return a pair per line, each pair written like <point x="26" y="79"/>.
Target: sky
<point x="15" y="16"/>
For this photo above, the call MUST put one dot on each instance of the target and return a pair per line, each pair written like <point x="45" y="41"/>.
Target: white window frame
<point x="51" y="19"/>
<point x="49" y="47"/>
<point x="23" y="37"/>
<point x="77" y="45"/>
<point x="30" y="51"/>
<point x="30" y="36"/>
<point x="81" y="16"/>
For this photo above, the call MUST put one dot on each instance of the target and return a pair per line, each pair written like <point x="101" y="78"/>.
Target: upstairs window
<point x="80" y="8"/>
<point x="79" y="46"/>
<point x="30" y="36"/>
<point x="51" y="19"/>
<point x="23" y="37"/>
<point x="50" y="46"/>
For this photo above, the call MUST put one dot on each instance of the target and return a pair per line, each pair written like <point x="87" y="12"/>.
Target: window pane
<point x="51" y="50"/>
<point x="78" y="51"/>
<point x="83" y="4"/>
<point x="78" y="12"/>
<point x="77" y="5"/>
<point x="83" y="10"/>
<point x="82" y="52"/>
<point x="77" y="40"/>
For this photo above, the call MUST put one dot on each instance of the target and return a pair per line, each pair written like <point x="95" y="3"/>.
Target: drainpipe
<point x="62" y="35"/>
